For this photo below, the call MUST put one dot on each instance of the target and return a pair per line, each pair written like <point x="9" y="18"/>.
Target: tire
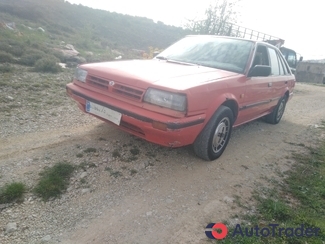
<point x="277" y="113"/>
<point x="209" y="145"/>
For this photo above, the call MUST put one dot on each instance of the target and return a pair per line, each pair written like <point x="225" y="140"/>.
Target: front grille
<point x="115" y="87"/>
<point x="128" y="91"/>
<point x="98" y="82"/>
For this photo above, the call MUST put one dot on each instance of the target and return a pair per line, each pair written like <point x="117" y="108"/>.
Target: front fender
<point x="226" y="99"/>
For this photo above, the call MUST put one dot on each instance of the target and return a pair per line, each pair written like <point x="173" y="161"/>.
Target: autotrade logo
<point x="212" y="231"/>
<point x="219" y="231"/>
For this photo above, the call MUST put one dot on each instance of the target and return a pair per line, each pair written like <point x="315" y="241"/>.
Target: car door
<point x="280" y="74"/>
<point x="257" y="90"/>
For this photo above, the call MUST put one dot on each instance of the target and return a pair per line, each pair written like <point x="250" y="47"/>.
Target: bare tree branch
<point x="218" y="19"/>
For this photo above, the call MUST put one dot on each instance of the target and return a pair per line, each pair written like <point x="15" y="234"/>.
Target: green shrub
<point x="12" y="192"/>
<point x="31" y="56"/>
<point x="13" y="47"/>
<point x="6" y="68"/>
<point x="17" y="50"/>
<point x="59" y="55"/>
<point x="4" y="47"/>
<point x="6" y="57"/>
<point x="48" y="64"/>
<point x="54" y="181"/>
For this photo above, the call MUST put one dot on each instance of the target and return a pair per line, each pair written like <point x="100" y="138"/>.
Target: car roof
<point x="235" y="38"/>
<point x="223" y="37"/>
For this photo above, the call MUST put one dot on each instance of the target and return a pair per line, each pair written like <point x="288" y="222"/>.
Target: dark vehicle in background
<point x="292" y="58"/>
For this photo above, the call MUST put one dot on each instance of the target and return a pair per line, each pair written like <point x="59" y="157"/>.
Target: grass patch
<point x="151" y="154"/>
<point x="113" y="173"/>
<point x="90" y="150"/>
<point x="133" y="171"/>
<point x="300" y="201"/>
<point x="54" y="181"/>
<point x="12" y="192"/>
<point x="116" y="154"/>
<point x="109" y="169"/>
<point x="296" y="144"/>
<point x="130" y="159"/>
<point x="116" y="174"/>
<point x="135" y="151"/>
<point x="79" y="155"/>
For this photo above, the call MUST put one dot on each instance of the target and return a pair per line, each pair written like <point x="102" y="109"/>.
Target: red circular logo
<point x="222" y="234"/>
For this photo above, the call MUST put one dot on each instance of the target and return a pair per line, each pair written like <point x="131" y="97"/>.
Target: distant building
<point x="311" y="71"/>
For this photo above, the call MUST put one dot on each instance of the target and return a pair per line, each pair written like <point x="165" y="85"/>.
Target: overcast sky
<point x="299" y="23"/>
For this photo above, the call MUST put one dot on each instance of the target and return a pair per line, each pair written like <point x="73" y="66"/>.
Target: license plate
<point x="103" y="112"/>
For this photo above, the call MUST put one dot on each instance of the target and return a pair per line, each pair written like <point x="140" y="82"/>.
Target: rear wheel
<point x="213" y="139"/>
<point x="277" y="113"/>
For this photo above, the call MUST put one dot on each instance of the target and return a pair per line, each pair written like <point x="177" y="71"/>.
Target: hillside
<point x="104" y="33"/>
<point x="82" y="24"/>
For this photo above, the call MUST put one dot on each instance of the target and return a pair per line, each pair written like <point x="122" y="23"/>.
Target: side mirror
<point x="259" y="70"/>
<point x="301" y="58"/>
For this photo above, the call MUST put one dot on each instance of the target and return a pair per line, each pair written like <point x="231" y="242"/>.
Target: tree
<point x="218" y="19"/>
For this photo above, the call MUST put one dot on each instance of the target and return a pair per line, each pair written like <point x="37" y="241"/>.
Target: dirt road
<point x="156" y="195"/>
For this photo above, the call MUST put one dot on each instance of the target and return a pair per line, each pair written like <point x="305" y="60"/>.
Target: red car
<point x="194" y="92"/>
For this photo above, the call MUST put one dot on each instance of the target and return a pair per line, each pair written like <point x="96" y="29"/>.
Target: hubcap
<point x="280" y="110"/>
<point x="220" y="135"/>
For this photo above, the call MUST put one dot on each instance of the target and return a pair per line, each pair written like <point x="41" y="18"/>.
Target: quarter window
<point x="284" y="65"/>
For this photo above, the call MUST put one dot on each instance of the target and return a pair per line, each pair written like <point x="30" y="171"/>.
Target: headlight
<point x="166" y="99"/>
<point x="81" y="75"/>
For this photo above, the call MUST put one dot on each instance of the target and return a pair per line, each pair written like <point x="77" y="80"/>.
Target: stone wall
<point x="310" y="72"/>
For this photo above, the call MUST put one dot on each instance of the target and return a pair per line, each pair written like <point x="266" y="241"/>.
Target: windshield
<point x="215" y="52"/>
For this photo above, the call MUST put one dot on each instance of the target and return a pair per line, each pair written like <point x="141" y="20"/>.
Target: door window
<point x="261" y="56"/>
<point x="275" y="67"/>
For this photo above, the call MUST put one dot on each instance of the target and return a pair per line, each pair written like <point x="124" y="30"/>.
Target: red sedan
<point x="194" y="92"/>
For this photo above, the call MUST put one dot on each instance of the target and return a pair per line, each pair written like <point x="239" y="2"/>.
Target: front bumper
<point x="151" y="126"/>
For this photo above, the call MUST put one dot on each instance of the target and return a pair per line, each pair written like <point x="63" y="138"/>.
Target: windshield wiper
<point x="173" y="61"/>
<point x="161" y="58"/>
<point x="180" y="62"/>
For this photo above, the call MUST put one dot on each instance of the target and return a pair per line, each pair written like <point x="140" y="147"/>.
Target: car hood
<point x="160" y="73"/>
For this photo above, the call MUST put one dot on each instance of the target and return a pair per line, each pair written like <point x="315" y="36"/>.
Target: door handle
<point x="270" y="84"/>
<point x="286" y="82"/>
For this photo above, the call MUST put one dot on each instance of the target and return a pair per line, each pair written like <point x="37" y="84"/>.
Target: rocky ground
<point x="125" y="190"/>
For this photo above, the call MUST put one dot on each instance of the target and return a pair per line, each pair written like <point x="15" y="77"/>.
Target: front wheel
<point x="277" y="113"/>
<point x="213" y="139"/>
